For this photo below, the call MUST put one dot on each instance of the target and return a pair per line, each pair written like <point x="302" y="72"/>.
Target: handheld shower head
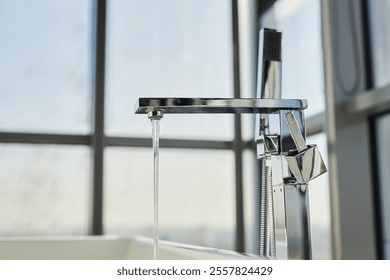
<point x="269" y="64"/>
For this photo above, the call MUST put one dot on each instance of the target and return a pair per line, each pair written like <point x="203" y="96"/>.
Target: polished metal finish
<point x="267" y="141"/>
<point x="217" y="105"/>
<point x="155" y="115"/>
<point x="292" y="221"/>
<point x="279" y="212"/>
<point x="293" y="163"/>
<point x="287" y="142"/>
<point x="267" y="229"/>
<point x="288" y="164"/>
<point x="296" y="164"/>
<point x="307" y="163"/>
<point x="295" y="131"/>
<point x="269" y="69"/>
<point x="269" y="145"/>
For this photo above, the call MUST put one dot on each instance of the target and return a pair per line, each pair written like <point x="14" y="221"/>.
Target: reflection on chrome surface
<point x="287" y="162"/>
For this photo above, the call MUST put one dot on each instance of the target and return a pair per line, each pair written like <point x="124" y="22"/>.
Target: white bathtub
<point x="105" y="248"/>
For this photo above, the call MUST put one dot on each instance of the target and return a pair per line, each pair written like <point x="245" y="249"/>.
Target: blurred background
<point x="75" y="159"/>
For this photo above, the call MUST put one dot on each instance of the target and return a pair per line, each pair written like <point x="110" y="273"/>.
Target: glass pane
<point x="379" y="16"/>
<point x="44" y="190"/>
<point x="45" y="65"/>
<point x="302" y="76"/>
<point x="168" y="49"/>
<point x="383" y="152"/>
<point x="196" y="195"/>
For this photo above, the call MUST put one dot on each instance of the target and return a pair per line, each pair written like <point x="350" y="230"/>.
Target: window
<point x="47" y="147"/>
<point x="196" y="195"/>
<point x="184" y="51"/>
<point x="383" y="190"/>
<point x="44" y="88"/>
<point x="44" y="189"/>
<point x="379" y="23"/>
<point x="379" y="34"/>
<point x="45" y="66"/>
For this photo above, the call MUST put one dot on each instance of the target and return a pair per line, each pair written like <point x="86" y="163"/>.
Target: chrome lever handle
<point x="306" y="162"/>
<point x="296" y="134"/>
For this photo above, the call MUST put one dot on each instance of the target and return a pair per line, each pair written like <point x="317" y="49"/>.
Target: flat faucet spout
<point x="217" y="105"/>
<point x="288" y="163"/>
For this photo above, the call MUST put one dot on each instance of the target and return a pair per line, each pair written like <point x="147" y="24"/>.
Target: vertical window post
<point x="96" y="223"/>
<point x="237" y="143"/>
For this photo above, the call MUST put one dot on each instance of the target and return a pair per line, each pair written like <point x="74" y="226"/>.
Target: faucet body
<point x="288" y="164"/>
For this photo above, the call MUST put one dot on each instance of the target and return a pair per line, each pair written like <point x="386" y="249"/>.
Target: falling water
<point x="156" y="137"/>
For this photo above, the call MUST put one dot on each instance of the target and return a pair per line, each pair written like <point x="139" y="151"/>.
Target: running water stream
<point x="155" y="118"/>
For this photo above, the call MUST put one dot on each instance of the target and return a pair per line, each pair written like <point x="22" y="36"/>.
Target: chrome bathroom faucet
<point x="287" y="163"/>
